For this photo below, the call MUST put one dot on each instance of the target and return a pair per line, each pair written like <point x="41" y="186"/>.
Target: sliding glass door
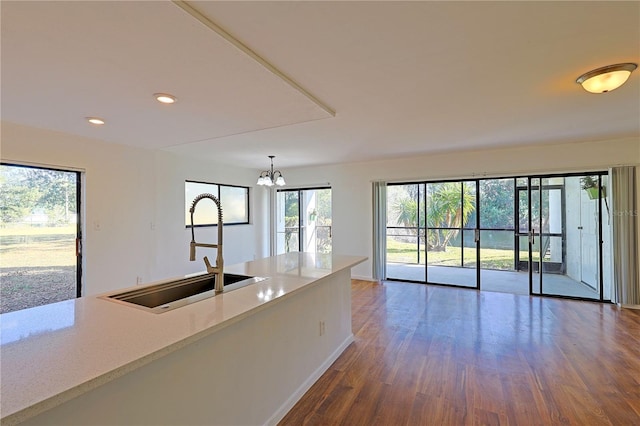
<point x="40" y="234"/>
<point x="452" y="253"/>
<point x="497" y="242"/>
<point x="405" y="232"/>
<point x="431" y="233"/>
<point x="303" y="221"/>
<point x="541" y="235"/>
<point x="566" y="236"/>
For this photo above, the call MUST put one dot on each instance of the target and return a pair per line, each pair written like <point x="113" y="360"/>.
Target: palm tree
<point x="406" y="212"/>
<point x="448" y="206"/>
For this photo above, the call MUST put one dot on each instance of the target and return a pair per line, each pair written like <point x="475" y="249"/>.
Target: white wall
<point x="129" y="191"/>
<point x="241" y="242"/>
<point x="133" y="213"/>
<point x="351" y="183"/>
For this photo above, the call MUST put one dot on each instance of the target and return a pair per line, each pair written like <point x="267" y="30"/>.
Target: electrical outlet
<point x="138" y="280"/>
<point x="96" y="225"/>
<point x="321" y="328"/>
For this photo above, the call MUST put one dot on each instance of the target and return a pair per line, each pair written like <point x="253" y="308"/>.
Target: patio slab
<point x="491" y="280"/>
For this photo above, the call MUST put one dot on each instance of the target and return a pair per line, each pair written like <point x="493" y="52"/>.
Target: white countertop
<point x="53" y="353"/>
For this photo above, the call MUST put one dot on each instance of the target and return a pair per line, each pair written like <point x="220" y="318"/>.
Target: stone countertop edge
<point x="33" y="408"/>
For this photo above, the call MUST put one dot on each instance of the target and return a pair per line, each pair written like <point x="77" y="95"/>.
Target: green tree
<point x="448" y="206"/>
<point x="403" y="209"/>
<point x="291" y="218"/>
<point x="57" y="190"/>
<point x="406" y="212"/>
<point x="323" y="221"/>
<point x="17" y="199"/>
<point x="323" y="206"/>
<point x="496" y="203"/>
<point x="23" y="189"/>
<point x="290" y="203"/>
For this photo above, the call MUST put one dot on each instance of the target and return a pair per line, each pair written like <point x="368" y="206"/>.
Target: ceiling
<point x="319" y="82"/>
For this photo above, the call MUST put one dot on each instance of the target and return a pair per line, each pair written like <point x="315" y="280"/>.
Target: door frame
<point x="516" y="228"/>
<point x="540" y="273"/>
<point x="518" y="234"/>
<point x="301" y="222"/>
<point x="79" y="207"/>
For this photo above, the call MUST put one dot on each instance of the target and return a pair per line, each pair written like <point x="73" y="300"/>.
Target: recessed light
<point x="164" y="98"/>
<point x="95" y="120"/>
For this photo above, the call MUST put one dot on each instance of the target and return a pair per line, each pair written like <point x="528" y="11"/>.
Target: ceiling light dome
<point x="165" y="98"/>
<point x="95" y="120"/>
<point x="607" y="78"/>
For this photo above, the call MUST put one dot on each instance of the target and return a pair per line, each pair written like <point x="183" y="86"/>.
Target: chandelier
<point x="271" y="177"/>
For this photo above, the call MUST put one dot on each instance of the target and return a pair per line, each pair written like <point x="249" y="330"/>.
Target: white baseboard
<point x="306" y="385"/>
<point x="363" y="278"/>
<point x="629" y="306"/>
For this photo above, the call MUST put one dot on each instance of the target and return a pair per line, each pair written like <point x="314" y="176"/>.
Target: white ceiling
<point x="404" y="78"/>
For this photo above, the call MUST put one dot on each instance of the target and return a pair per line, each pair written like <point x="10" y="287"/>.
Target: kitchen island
<point x="241" y="357"/>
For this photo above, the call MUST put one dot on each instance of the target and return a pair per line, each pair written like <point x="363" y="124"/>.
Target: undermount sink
<point x="170" y="295"/>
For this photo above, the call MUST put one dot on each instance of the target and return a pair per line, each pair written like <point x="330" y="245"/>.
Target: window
<point x="233" y="199"/>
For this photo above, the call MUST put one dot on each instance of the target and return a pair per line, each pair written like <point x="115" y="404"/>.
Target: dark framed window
<point x="234" y="200"/>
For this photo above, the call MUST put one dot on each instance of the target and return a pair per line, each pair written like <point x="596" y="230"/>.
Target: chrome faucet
<point x="218" y="269"/>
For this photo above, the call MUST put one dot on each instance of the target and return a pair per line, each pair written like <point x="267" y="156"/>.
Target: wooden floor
<point x="429" y="355"/>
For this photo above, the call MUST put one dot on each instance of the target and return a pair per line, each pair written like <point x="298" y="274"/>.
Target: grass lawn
<point x="38" y="230"/>
<point x="36" y="246"/>
<point x="401" y="252"/>
<point x="37" y="266"/>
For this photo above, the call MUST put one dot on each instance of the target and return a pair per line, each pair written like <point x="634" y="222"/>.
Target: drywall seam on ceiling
<point x="249" y="52"/>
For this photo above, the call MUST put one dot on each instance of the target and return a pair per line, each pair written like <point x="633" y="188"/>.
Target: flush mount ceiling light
<point x="165" y="98"/>
<point x="607" y="78"/>
<point x="271" y="177"/>
<point x="95" y="120"/>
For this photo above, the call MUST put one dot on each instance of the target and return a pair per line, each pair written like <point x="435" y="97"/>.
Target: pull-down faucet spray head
<point x="192" y="251"/>
<point x="192" y="245"/>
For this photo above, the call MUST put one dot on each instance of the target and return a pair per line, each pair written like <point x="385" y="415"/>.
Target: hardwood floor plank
<point x="308" y="406"/>
<point x="432" y="355"/>
<point x="366" y="405"/>
<point x="521" y="402"/>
